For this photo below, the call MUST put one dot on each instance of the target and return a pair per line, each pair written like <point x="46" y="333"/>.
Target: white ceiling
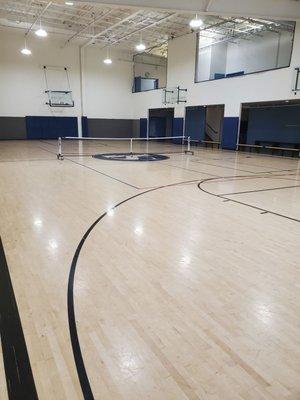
<point x="274" y="9"/>
<point x="121" y="26"/>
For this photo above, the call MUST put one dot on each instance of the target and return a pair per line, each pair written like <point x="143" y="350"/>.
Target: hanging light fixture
<point x="141" y="46"/>
<point x="25" y="50"/>
<point x="41" y="32"/>
<point x="195" y="23"/>
<point x="107" y="60"/>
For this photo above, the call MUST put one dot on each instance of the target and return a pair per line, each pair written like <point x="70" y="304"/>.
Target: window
<point x="243" y="46"/>
<point x="150" y="72"/>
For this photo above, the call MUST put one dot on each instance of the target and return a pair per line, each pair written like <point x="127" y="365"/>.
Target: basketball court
<point x="150" y="236"/>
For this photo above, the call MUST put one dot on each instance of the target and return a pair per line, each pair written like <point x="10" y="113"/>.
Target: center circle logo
<point x="131" y="157"/>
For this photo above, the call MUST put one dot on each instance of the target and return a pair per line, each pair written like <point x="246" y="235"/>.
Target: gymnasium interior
<point x="150" y="200"/>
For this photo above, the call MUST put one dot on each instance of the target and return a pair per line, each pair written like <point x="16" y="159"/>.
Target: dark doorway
<point x="204" y="124"/>
<point x="271" y="127"/>
<point x="161" y="122"/>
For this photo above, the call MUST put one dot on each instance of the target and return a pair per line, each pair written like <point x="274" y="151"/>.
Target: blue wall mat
<point x="157" y="126"/>
<point x="235" y="74"/>
<point x="195" y="122"/>
<point x="143" y="127"/>
<point x="276" y="124"/>
<point x="219" y="76"/>
<point x="230" y="133"/>
<point x="84" y="126"/>
<point x="177" y="129"/>
<point x="51" y="127"/>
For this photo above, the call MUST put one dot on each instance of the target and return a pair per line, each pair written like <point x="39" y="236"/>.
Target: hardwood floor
<point x="179" y="293"/>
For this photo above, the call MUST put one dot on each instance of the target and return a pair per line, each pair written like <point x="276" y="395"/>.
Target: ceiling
<point x="88" y="23"/>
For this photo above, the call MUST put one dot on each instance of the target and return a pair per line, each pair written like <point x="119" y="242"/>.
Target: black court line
<point x="259" y="190"/>
<point x="80" y="366"/>
<point x="241" y="202"/>
<point x="102" y="173"/>
<point x="95" y="170"/>
<point x="19" y="378"/>
<point x="233" y="160"/>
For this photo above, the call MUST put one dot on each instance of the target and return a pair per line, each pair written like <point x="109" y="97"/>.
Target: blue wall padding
<point x="84" y="126"/>
<point x="51" y="127"/>
<point x="276" y="124"/>
<point x="177" y="129"/>
<point x="143" y="127"/>
<point x="238" y="73"/>
<point x="195" y="123"/>
<point x="157" y="126"/>
<point x="217" y="75"/>
<point x="230" y="133"/>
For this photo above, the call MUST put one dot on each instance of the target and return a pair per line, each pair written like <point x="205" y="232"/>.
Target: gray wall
<point x="113" y="127"/>
<point x="12" y="128"/>
<point x="15" y="128"/>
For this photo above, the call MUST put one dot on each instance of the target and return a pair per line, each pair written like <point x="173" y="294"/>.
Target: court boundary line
<point x="18" y="373"/>
<point x="264" y="210"/>
<point x="259" y="190"/>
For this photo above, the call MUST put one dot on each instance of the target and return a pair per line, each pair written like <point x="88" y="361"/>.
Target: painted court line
<point x="19" y="377"/>
<point x="259" y="190"/>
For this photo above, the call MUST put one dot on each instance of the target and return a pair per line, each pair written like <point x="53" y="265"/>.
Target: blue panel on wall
<point x="219" y="76"/>
<point x="177" y="129"/>
<point x="277" y="125"/>
<point x="143" y="127"/>
<point x="195" y="122"/>
<point x="230" y="133"/>
<point x="51" y="127"/>
<point x="84" y="126"/>
<point x="157" y="126"/>
<point x="231" y="74"/>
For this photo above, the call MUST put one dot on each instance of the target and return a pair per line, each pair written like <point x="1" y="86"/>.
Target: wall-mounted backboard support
<point x="174" y="95"/>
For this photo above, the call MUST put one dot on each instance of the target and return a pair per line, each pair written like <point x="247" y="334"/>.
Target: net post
<point x="188" y="151"/>
<point x="60" y="155"/>
<point x="131" y="147"/>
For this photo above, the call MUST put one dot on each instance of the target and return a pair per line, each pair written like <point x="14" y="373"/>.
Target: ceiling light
<point x="140" y="47"/>
<point x="69" y="3"/>
<point x="196" y="22"/>
<point x="41" y="32"/>
<point x="25" y="50"/>
<point x="107" y="60"/>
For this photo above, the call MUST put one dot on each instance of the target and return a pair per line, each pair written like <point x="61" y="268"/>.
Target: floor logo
<point x="131" y="157"/>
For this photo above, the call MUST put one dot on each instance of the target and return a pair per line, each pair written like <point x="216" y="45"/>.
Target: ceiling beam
<point x="92" y="22"/>
<point x="140" y="30"/>
<point x="112" y="27"/>
<point x="274" y="9"/>
<point x="38" y="17"/>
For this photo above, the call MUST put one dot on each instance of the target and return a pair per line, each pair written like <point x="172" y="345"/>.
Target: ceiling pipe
<point x="38" y="17"/>
<point x="112" y="27"/>
<point x="139" y="30"/>
<point x="93" y="21"/>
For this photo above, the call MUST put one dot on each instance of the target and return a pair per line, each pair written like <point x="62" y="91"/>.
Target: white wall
<point x="263" y="86"/>
<point x="22" y="80"/>
<point x="106" y="88"/>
